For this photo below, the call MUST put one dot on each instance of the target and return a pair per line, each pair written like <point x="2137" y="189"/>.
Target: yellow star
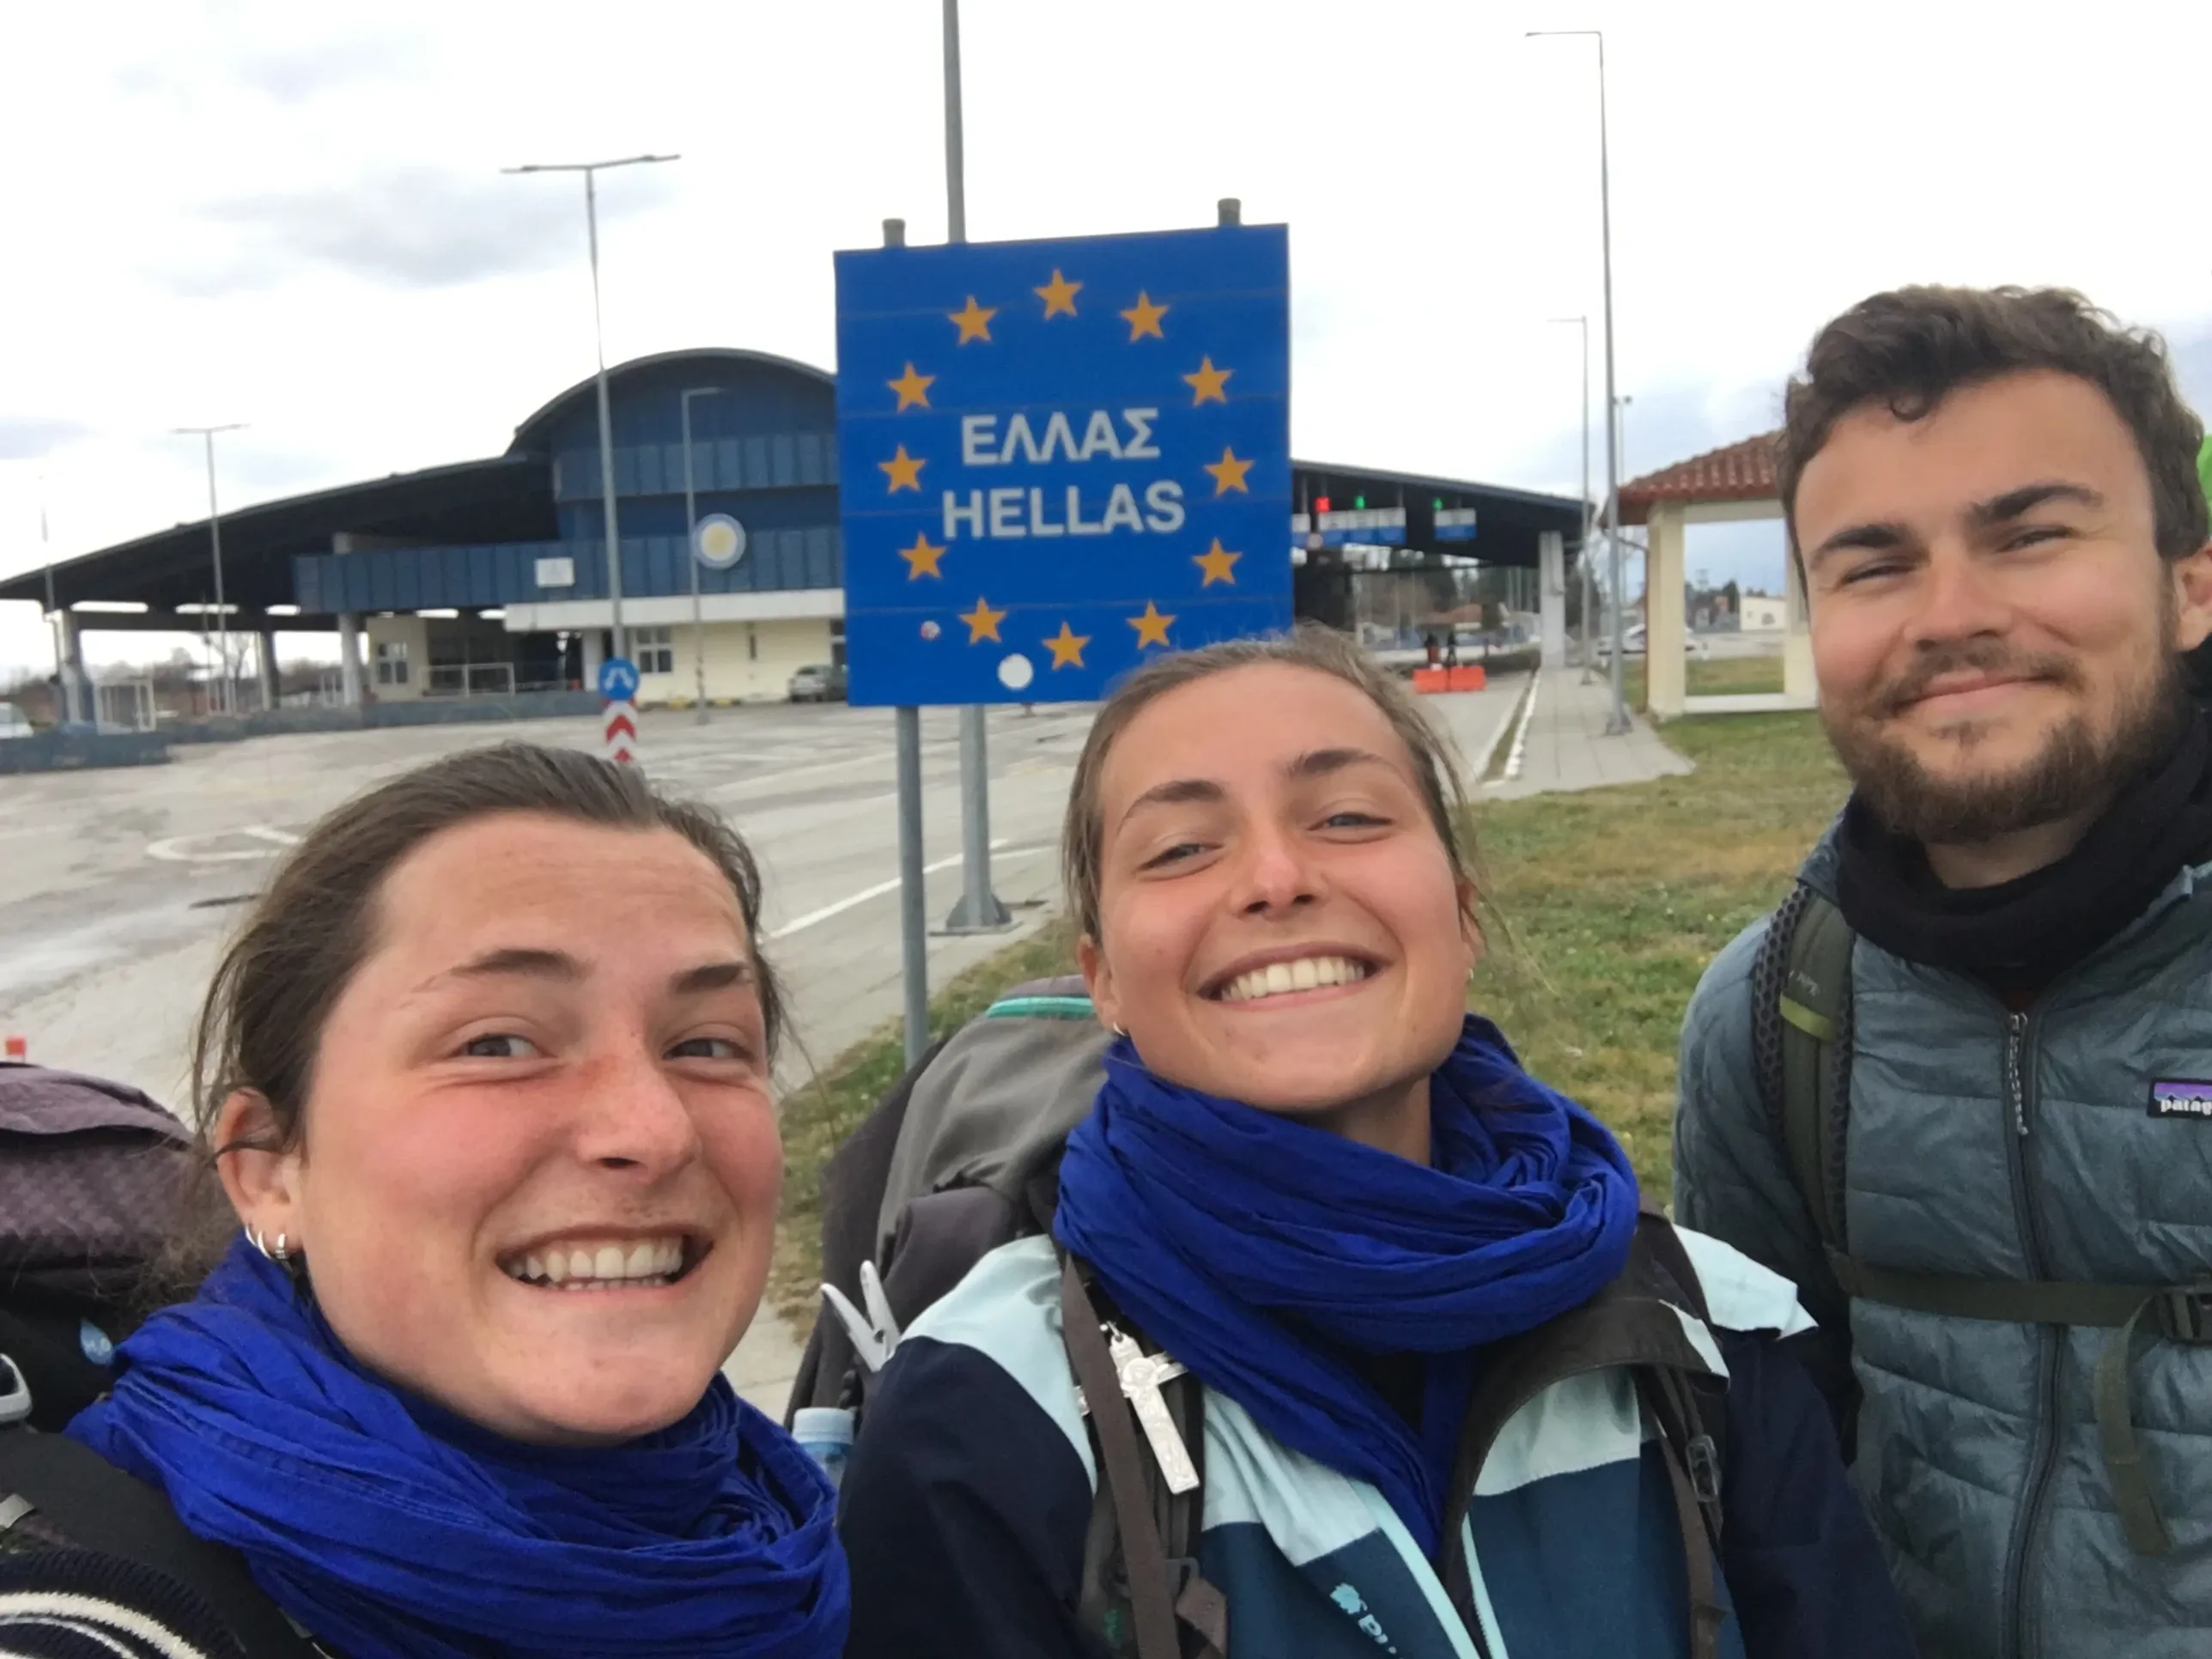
<point x="1151" y="627"/>
<point x="1205" y="385"/>
<point x="1229" y="472"/>
<point x="905" y="470"/>
<point x="974" y="321"/>
<point x="1218" y="564"/>
<point x="1067" y="648"/>
<point x="983" y="623"/>
<point x="1058" y="295"/>
<point x="921" y="558"/>
<point x="914" y="389"/>
<point x="1144" y="318"/>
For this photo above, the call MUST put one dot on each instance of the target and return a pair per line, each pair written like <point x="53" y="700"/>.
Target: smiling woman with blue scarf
<point x="1457" y="1396"/>
<point x="486" y="1080"/>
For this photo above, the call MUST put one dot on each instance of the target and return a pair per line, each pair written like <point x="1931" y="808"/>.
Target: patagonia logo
<point x="2181" y="1098"/>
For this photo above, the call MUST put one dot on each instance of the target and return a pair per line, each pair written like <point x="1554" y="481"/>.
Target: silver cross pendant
<point x="1140" y="1374"/>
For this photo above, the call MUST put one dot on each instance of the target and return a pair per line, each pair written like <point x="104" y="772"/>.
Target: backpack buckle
<point x="1703" y="1461"/>
<point x="2184" y="1314"/>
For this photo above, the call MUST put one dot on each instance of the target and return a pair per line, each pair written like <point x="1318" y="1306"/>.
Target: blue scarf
<point x="386" y="1526"/>
<point x="1249" y="1245"/>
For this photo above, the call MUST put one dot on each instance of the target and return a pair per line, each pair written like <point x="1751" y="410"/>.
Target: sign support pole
<point x="979" y="910"/>
<point x="914" y="919"/>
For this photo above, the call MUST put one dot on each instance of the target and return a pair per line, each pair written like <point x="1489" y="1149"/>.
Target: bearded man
<point x="1959" y="1086"/>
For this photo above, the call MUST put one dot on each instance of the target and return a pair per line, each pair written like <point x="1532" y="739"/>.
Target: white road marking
<point x="1519" y="751"/>
<point x="187" y="849"/>
<point x="798" y="923"/>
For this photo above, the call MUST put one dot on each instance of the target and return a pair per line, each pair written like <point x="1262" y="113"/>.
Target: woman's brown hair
<point x="1309" y="645"/>
<point x="261" y="1025"/>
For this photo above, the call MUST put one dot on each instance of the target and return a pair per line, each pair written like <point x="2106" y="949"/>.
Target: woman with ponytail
<point x="1460" y="1395"/>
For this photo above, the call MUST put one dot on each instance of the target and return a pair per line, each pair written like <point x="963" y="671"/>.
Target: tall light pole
<point x="64" y="684"/>
<point x="1617" y="722"/>
<point x="691" y="555"/>
<point x="979" y="909"/>
<point x="206" y="434"/>
<point x="1583" y="323"/>
<point x="591" y="170"/>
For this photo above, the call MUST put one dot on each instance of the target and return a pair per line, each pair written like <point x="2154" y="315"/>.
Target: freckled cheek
<point x="743" y="1148"/>
<point x="418" y="1177"/>
<point x="1153" y="948"/>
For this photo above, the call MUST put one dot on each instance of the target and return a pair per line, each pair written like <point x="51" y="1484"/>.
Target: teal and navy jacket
<point x="968" y="1499"/>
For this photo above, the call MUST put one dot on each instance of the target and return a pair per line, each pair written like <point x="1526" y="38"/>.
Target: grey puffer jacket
<point x="1996" y="1145"/>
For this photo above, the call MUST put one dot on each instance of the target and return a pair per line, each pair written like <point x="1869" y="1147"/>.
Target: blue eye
<point x="707" y="1048"/>
<point x="500" y="1045"/>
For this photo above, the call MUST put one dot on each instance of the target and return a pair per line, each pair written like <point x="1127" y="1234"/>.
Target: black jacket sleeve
<point x="1807" y="1576"/>
<point x="964" y="1512"/>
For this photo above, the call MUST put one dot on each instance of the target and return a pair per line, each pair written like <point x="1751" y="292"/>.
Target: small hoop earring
<point x="1119" y="1030"/>
<point x="279" y="1253"/>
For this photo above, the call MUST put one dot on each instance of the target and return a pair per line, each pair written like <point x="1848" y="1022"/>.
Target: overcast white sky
<point x="263" y="212"/>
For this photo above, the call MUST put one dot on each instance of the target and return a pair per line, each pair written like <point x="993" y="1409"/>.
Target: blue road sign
<point x="618" y="679"/>
<point x="1059" y="458"/>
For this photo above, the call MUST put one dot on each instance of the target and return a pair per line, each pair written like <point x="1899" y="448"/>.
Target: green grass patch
<point x="818" y="1116"/>
<point x="1721" y="677"/>
<point x="1709" y="676"/>
<point x="1607" y="905"/>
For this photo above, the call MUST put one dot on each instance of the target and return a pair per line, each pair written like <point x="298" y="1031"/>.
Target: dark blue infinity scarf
<point x="1249" y="1245"/>
<point x="388" y="1527"/>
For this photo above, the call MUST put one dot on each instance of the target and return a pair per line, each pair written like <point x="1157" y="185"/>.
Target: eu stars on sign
<point x="1060" y="458"/>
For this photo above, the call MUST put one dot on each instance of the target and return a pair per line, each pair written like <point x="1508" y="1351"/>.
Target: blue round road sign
<point x="617" y="679"/>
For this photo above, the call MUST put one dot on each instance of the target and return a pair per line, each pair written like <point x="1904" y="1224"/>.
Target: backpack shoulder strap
<point x="99" y="1508"/>
<point x="1801" y="1036"/>
<point x="1150" y="1561"/>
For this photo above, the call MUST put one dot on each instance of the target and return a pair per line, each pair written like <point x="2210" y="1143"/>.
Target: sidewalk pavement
<point x="1561" y="745"/>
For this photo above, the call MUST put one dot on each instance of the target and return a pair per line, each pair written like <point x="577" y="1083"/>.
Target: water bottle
<point x="826" y="1434"/>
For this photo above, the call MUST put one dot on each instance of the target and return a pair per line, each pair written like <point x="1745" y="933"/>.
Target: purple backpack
<point x="92" y="1173"/>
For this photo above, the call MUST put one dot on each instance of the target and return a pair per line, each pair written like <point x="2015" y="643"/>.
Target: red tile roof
<point x="1739" y="472"/>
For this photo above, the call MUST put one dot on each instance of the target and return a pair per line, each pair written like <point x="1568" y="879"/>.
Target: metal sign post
<point x="979" y="910"/>
<point x="618" y="685"/>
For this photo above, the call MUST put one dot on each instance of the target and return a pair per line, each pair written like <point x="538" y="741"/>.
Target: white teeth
<point x="602" y="1267"/>
<point x="1306" y="974"/>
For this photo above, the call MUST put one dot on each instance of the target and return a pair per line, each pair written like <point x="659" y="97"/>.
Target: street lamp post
<point x="979" y="909"/>
<point x="1583" y="323"/>
<point x="206" y="434"/>
<point x="691" y="555"/>
<point x="1617" y="723"/>
<point x="591" y="171"/>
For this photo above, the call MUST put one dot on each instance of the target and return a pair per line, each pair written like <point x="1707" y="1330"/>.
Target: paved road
<point x="116" y="887"/>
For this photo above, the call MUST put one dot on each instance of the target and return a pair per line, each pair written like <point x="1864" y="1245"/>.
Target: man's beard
<point x="2075" y="772"/>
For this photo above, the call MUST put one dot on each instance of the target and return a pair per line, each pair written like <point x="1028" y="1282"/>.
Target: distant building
<point x="1763" y="614"/>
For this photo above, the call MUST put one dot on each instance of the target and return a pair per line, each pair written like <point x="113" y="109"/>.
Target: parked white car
<point x="13" y="722"/>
